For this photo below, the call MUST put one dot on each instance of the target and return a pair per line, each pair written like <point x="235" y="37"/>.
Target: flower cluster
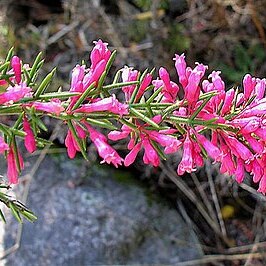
<point x="195" y="115"/>
<point x="233" y="120"/>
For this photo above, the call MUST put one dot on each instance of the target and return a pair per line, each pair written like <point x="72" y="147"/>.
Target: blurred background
<point x="225" y="221"/>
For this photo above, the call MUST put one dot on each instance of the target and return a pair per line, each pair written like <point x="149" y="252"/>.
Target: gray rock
<point x="109" y="219"/>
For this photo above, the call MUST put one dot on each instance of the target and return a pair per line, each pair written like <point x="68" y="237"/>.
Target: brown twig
<point x="203" y="195"/>
<point x="222" y="257"/>
<point x="215" y="197"/>
<point x="193" y="198"/>
<point x="256" y="20"/>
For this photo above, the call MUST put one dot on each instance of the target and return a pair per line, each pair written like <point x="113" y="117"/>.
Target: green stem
<point x="83" y="96"/>
<point x="44" y="84"/>
<point x="15" y="148"/>
<point x="154" y="105"/>
<point x="134" y="94"/>
<point x="143" y="117"/>
<point x="119" y="85"/>
<point x="61" y="95"/>
<point x="8" y="58"/>
<point x="9" y="131"/>
<point x="77" y="139"/>
<point x="129" y="124"/>
<point x="5" y="129"/>
<point x="4" y="66"/>
<point x="199" y="122"/>
<point x="206" y="100"/>
<point x="34" y="68"/>
<point x="170" y="109"/>
<point x="154" y="95"/>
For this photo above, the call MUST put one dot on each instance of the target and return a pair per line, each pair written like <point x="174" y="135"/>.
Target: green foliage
<point x="17" y="208"/>
<point x="177" y="41"/>
<point x="137" y="30"/>
<point x="145" y="5"/>
<point x="247" y="60"/>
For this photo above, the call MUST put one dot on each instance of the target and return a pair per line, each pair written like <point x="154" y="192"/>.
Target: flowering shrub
<point x="208" y="121"/>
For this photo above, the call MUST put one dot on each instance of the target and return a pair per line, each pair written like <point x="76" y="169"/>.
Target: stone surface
<point x="108" y="219"/>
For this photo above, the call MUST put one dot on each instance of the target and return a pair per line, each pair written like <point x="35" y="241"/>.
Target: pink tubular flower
<point x="217" y="81"/>
<point x="248" y="85"/>
<point x="170" y="143"/>
<point x="256" y="170"/>
<point x="80" y="131"/>
<point x="77" y="76"/>
<point x="251" y="126"/>
<point x="105" y="151"/>
<point x="131" y="156"/>
<point x="3" y="82"/>
<point x="211" y="149"/>
<point x="261" y="132"/>
<point x="110" y="104"/>
<point x="240" y="99"/>
<point x="196" y="155"/>
<point x="165" y="77"/>
<point x="94" y="74"/>
<point x="142" y="138"/>
<point x="256" y="109"/>
<point x="246" y="124"/>
<point x="186" y="164"/>
<point x="29" y="140"/>
<point x="53" y="107"/>
<point x="14" y="94"/>
<point x="170" y="89"/>
<point x="71" y="144"/>
<point x="143" y="86"/>
<point x="240" y="171"/>
<point x="227" y="164"/>
<point x="256" y="145"/>
<point x="16" y="65"/>
<point x="207" y="86"/>
<point x="180" y="65"/>
<point x="260" y="89"/>
<point x="12" y="168"/>
<point x="150" y="154"/>
<point x="99" y="52"/>
<point x="128" y="74"/>
<point x="3" y="146"/>
<point x="76" y="84"/>
<point x="117" y="135"/>
<point x="262" y="185"/>
<point x="227" y="105"/>
<point x="73" y="99"/>
<point x="81" y="81"/>
<point x="192" y="90"/>
<point x="238" y="148"/>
